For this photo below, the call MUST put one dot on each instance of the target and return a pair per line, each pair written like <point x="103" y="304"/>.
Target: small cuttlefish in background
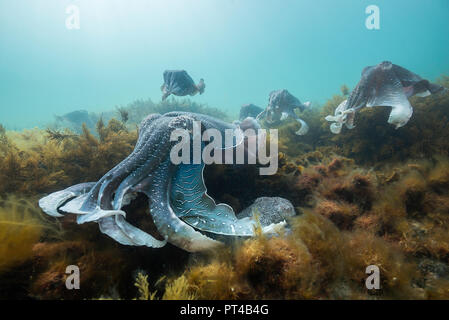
<point x="281" y="105"/>
<point x="249" y="110"/>
<point x="179" y="83"/>
<point x="387" y="85"/>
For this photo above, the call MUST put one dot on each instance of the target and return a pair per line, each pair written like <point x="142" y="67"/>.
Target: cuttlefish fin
<point x="193" y="205"/>
<point x="391" y="94"/>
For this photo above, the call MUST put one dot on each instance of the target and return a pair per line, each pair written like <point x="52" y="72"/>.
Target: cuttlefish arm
<point x="99" y="199"/>
<point x="304" y="127"/>
<point x="55" y="200"/>
<point x="342" y="116"/>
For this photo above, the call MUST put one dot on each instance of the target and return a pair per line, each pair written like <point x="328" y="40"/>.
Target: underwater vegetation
<point x="131" y="114"/>
<point x="370" y="195"/>
<point x="51" y="159"/>
<point x="139" y="109"/>
<point x="395" y="219"/>
<point x="21" y="226"/>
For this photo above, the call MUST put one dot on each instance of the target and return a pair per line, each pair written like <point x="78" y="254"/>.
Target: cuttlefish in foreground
<point x="387" y="85"/>
<point x="180" y="207"/>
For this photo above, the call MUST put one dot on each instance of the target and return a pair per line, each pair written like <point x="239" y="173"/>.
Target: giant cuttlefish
<point x="281" y="105"/>
<point x="179" y="83"/>
<point x="181" y="209"/>
<point x="249" y="110"/>
<point x="387" y="85"/>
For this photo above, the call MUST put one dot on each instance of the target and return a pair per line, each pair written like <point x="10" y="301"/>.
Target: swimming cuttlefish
<point x="182" y="211"/>
<point x="249" y="110"/>
<point x="281" y="105"/>
<point x="387" y="85"/>
<point x="179" y="83"/>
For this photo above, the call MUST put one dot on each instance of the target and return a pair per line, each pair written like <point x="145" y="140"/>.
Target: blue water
<point x="242" y="48"/>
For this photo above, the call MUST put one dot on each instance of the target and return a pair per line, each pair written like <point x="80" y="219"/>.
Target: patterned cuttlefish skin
<point x="386" y="85"/>
<point x="179" y="205"/>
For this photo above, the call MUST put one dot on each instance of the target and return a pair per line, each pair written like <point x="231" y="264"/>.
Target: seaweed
<point x="143" y="286"/>
<point x="178" y="289"/>
<point x="315" y="261"/>
<point x="58" y="136"/>
<point x="22" y="225"/>
<point x="370" y="195"/>
<point x="394" y="217"/>
<point x="123" y="113"/>
<point x="63" y="158"/>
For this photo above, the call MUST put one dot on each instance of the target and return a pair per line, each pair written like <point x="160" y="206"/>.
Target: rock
<point x="270" y="210"/>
